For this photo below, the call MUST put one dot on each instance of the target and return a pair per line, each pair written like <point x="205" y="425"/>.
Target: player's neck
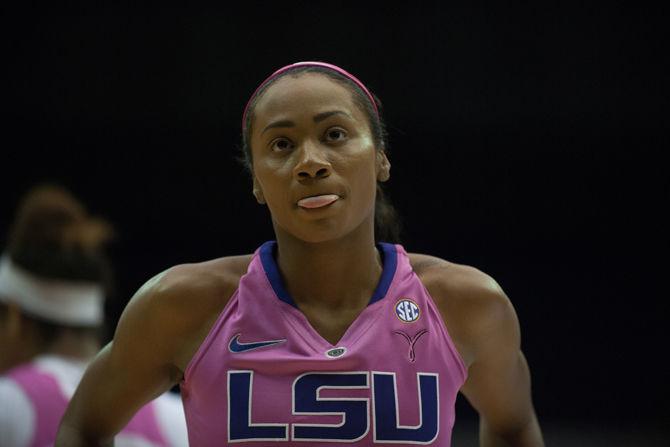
<point x="74" y="345"/>
<point x="337" y="273"/>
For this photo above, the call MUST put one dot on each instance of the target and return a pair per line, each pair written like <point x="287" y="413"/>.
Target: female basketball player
<point x="53" y="277"/>
<point x="323" y="336"/>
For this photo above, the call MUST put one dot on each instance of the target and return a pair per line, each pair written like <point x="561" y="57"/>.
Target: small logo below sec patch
<point x="407" y="310"/>
<point x="336" y="352"/>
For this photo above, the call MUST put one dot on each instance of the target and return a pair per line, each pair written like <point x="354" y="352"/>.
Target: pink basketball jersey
<point x="49" y="404"/>
<point x="264" y="376"/>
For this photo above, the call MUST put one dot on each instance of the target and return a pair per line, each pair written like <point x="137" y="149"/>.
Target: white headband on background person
<point x="70" y="303"/>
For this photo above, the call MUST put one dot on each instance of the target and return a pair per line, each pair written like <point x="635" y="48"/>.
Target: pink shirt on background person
<point x="34" y="396"/>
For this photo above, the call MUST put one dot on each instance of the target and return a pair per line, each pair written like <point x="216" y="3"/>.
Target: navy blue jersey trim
<point x="272" y="272"/>
<point x="390" y="262"/>
<point x="386" y="250"/>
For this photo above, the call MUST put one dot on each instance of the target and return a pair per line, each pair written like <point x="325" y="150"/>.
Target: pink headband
<point x="335" y="68"/>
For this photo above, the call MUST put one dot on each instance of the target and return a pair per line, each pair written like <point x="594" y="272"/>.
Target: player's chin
<point x="318" y="231"/>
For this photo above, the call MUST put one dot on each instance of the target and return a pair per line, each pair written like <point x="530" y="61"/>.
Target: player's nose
<point x="312" y="162"/>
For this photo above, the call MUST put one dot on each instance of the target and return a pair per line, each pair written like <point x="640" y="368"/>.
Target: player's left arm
<point x="498" y="384"/>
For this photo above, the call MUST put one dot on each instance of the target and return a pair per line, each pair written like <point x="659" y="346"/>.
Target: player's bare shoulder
<point x="183" y="302"/>
<point x="470" y="301"/>
<point x="204" y="284"/>
<point x="191" y="289"/>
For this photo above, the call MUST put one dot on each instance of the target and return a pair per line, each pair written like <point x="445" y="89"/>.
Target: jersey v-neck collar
<point x="389" y="264"/>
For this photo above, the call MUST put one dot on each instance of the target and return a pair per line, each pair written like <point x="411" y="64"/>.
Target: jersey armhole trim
<point x="206" y="343"/>
<point x="450" y="342"/>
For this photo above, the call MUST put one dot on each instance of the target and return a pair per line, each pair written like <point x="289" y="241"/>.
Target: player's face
<point x="309" y="139"/>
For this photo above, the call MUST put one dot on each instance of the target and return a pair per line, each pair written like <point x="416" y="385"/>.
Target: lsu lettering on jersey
<point x="263" y="376"/>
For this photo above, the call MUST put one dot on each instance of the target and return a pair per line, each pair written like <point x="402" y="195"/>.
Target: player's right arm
<point x="154" y="339"/>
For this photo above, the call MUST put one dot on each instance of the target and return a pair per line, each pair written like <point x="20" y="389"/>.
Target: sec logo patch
<point x="407" y="310"/>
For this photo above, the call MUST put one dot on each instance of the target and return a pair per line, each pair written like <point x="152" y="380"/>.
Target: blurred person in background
<point x="54" y="278"/>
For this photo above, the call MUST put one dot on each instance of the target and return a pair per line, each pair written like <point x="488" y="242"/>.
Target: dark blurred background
<point x="526" y="141"/>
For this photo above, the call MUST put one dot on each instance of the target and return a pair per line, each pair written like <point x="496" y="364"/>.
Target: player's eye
<point x="281" y="144"/>
<point x="335" y="134"/>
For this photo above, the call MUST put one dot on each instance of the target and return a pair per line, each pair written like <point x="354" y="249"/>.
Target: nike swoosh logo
<point x="236" y="346"/>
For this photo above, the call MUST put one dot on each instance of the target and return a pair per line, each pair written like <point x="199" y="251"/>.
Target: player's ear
<point x="258" y="192"/>
<point x="383" y="166"/>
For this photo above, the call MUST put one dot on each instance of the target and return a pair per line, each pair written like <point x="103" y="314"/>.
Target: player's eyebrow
<point x="317" y="119"/>
<point x="281" y="123"/>
<point x="323" y="115"/>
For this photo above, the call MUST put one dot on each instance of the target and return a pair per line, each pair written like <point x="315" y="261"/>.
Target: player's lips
<point x="317" y="201"/>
